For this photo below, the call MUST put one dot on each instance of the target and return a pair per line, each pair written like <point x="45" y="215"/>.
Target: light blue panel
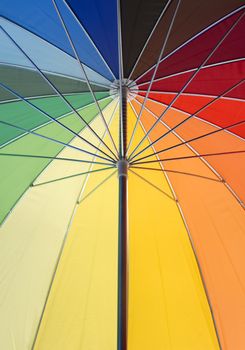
<point x="46" y="56"/>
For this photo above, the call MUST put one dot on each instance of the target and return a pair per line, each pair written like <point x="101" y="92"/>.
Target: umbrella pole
<point x="123" y="229"/>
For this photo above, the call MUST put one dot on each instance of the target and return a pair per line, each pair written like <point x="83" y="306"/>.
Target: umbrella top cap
<point x="129" y="85"/>
<point x="122" y="166"/>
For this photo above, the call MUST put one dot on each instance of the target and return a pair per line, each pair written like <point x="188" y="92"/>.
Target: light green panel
<point x="18" y="173"/>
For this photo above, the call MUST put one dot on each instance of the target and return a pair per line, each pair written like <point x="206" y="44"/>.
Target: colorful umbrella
<point x="122" y="175"/>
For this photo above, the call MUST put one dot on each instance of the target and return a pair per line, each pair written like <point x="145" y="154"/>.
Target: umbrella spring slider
<point x="122" y="166"/>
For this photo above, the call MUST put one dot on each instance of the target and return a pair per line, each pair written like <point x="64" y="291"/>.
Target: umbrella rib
<point x="221" y="63"/>
<point x="51" y="158"/>
<point x="151" y="184"/>
<point x="184" y="87"/>
<point x="90" y="39"/>
<point x="72" y="176"/>
<point x="149" y="37"/>
<point x="192" y="38"/>
<point x="50" y="83"/>
<point x="185" y="94"/>
<point x="121" y="74"/>
<point x="200" y="156"/>
<point x="182" y="215"/>
<point x="154" y="74"/>
<point x="61" y="116"/>
<point x="96" y="187"/>
<point x="184" y="112"/>
<point x="55" y="120"/>
<point x="86" y="77"/>
<point x="182" y="140"/>
<point x="193" y="114"/>
<point x="176" y="172"/>
<point x="53" y="140"/>
<point x="191" y="140"/>
<point x="221" y="179"/>
<point x="188" y="157"/>
<point x="91" y="165"/>
<point x="57" y="264"/>
<point x="63" y="244"/>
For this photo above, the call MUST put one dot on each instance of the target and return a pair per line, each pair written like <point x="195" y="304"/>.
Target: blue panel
<point x="99" y="17"/>
<point x="83" y="45"/>
<point x="40" y="17"/>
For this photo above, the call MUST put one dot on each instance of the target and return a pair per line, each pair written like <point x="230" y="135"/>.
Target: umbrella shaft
<point x="122" y="264"/>
<point x="123" y="228"/>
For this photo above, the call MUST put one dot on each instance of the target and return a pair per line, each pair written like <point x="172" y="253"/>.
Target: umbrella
<point x="122" y="175"/>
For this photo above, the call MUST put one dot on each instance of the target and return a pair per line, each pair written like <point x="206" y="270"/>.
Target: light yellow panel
<point x="168" y="309"/>
<point x="81" y="313"/>
<point x="30" y="241"/>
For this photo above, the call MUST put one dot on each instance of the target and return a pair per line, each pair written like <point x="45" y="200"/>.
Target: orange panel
<point x="216" y="221"/>
<point x="230" y="167"/>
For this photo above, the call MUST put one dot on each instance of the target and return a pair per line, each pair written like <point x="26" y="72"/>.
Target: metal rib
<point x="188" y="157"/>
<point x="91" y="165"/>
<point x="154" y="74"/>
<point x="179" y="73"/>
<point x="192" y="115"/>
<point x="86" y="77"/>
<point x="71" y="176"/>
<point x="63" y="244"/>
<point x="90" y="39"/>
<point x="51" y="158"/>
<point x="53" y="140"/>
<point x="193" y="38"/>
<point x="55" y="120"/>
<point x="210" y="167"/>
<point x="191" y="140"/>
<point x="149" y="37"/>
<point x="184" y="87"/>
<point x="121" y="74"/>
<point x="151" y="184"/>
<point x="175" y="172"/>
<point x="51" y="84"/>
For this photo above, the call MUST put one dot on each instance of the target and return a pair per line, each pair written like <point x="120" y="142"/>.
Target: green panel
<point x="18" y="173"/>
<point x="30" y="83"/>
<point x="21" y="114"/>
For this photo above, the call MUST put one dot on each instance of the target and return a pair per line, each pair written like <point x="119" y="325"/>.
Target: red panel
<point x="193" y="54"/>
<point x="222" y="112"/>
<point x="209" y="81"/>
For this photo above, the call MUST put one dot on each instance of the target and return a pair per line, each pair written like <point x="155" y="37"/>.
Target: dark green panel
<point x="30" y="83"/>
<point x="21" y="114"/>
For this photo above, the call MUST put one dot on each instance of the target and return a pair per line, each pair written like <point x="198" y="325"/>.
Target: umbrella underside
<point x="122" y="162"/>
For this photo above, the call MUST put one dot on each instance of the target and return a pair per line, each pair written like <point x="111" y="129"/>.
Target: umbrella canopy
<point x="122" y="175"/>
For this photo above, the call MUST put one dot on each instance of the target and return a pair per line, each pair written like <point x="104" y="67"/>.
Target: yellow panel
<point x="31" y="239"/>
<point x="81" y="312"/>
<point x="168" y="308"/>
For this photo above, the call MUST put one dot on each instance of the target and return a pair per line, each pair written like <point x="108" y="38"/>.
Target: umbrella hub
<point x="130" y="86"/>
<point x="122" y="166"/>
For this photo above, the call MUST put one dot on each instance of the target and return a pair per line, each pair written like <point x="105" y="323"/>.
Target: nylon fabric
<point x="192" y="19"/>
<point x="18" y="173"/>
<point x="167" y="304"/>
<point x="19" y="113"/>
<point x="30" y="245"/>
<point x="46" y="56"/>
<point x="99" y="19"/>
<point x="51" y="29"/>
<point x="29" y="83"/>
<point x="216" y="222"/>
<point x="81" y="312"/>
<point x="229" y="167"/>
